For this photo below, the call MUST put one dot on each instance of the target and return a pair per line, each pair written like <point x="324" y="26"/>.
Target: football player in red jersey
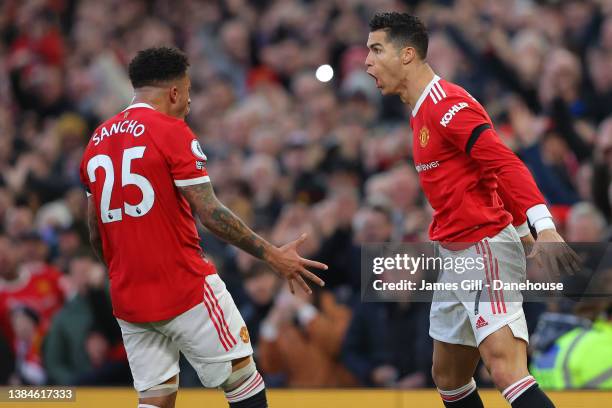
<point x="145" y="172"/>
<point x="27" y="282"/>
<point x="483" y="199"/>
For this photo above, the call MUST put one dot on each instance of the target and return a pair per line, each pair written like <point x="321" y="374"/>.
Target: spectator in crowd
<point x="313" y="325"/>
<point x="333" y="218"/>
<point x="28" y="343"/>
<point x="261" y="285"/>
<point x="83" y="345"/>
<point x="585" y="223"/>
<point x="388" y="345"/>
<point x="580" y="356"/>
<point x="602" y="169"/>
<point x="28" y="282"/>
<point x="375" y="344"/>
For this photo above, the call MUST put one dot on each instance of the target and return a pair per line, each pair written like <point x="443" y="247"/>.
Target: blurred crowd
<point x="288" y="154"/>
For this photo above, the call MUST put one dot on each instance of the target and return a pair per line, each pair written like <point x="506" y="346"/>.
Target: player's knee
<point x="160" y="392"/>
<point x="447" y="379"/>
<point x="499" y="375"/>
<point x="442" y="378"/>
<point x="239" y="375"/>
<point x="245" y="388"/>
<point x="504" y="371"/>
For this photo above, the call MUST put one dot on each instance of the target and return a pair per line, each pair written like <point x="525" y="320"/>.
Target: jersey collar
<point x="139" y="105"/>
<point x="424" y="94"/>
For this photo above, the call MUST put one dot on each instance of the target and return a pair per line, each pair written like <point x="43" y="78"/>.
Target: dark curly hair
<point x="153" y="66"/>
<point x="403" y="30"/>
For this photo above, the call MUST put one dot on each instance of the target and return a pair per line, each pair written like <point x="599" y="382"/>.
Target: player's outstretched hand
<point x="551" y="252"/>
<point x="289" y="264"/>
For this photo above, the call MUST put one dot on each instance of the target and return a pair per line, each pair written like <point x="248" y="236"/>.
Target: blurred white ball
<point x="324" y="73"/>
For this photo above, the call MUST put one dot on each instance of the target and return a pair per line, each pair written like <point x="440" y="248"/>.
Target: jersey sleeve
<point x="184" y="156"/>
<point x="460" y="120"/>
<point x="464" y="123"/>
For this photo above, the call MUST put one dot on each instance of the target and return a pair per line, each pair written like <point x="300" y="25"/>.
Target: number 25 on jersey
<point x="127" y="178"/>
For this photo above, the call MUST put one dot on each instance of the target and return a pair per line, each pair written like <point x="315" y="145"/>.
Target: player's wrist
<point x="544" y="224"/>
<point x="540" y="218"/>
<point x="271" y="254"/>
<point x="545" y="233"/>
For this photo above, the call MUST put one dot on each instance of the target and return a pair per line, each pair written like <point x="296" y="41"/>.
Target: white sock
<point x="515" y="390"/>
<point x="459" y="393"/>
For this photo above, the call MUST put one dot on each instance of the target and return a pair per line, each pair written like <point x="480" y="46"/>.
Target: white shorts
<point x="210" y="336"/>
<point x="467" y="317"/>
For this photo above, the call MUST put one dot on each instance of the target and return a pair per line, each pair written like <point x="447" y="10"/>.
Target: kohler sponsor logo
<point x="448" y="116"/>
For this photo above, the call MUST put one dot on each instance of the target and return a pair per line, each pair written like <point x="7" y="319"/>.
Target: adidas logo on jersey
<point x="481" y="322"/>
<point x="448" y="116"/>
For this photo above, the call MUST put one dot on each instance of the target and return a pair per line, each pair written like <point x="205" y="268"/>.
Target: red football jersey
<point x="38" y="288"/>
<point x="132" y="167"/>
<point x="475" y="184"/>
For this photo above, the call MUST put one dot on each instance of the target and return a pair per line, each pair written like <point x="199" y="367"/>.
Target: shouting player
<point x="478" y="189"/>
<point x="145" y="173"/>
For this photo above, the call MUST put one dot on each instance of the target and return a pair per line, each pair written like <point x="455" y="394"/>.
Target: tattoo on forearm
<point x="228" y="226"/>
<point x="222" y="222"/>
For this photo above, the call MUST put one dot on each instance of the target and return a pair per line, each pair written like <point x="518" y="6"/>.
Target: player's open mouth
<point x="375" y="79"/>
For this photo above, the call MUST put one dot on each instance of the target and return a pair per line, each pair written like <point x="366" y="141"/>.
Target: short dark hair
<point x="403" y="30"/>
<point x="154" y="66"/>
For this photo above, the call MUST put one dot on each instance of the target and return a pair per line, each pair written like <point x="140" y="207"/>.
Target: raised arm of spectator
<point x="497" y="67"/>
<point x="564" y="123"/>
<point x="325" y="327"/>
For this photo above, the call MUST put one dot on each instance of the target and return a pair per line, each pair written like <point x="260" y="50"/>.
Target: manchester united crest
<point x="424" y="136"/>
<point x="244" y="335"/>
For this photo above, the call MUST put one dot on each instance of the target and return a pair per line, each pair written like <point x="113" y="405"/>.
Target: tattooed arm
<point x="222" y="222"/>
<point x="94" y="234"/>
<point x="226" y="225"/>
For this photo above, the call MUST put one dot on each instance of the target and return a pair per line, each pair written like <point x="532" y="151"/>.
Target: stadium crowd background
<point x="288" y="154"/>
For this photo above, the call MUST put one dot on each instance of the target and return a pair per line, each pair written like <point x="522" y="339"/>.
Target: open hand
<point x="550" y="251"/>
<point x="290" y="265"/>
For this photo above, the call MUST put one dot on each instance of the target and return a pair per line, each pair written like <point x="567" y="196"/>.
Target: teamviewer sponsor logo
<point x="448" y="116"/>
<point x="427" y="166"/>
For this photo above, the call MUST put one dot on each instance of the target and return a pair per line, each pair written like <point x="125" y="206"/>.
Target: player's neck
<point x="151" y="97"/>
<point x="152" y="102"/>
<point x="415" y="84"/>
